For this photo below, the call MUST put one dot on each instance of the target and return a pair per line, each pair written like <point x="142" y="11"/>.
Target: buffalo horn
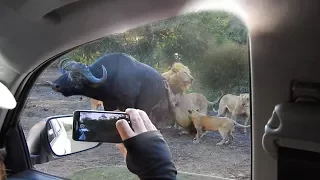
<point x="84" y="70"/>
<point x="64" y="65"/>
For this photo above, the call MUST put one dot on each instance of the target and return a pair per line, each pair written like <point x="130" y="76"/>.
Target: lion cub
<point x="225" y="126"/>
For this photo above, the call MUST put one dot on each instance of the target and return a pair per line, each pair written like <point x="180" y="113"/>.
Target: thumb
<point x="122" y="149"/>
<point x="124" y="129"/>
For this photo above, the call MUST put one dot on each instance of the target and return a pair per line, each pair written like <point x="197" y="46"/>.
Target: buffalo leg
<point x="171" y="97"/>
<point x="110" y="105"/>
<point x="157" y="115"/>
<point x="172" y="101"/>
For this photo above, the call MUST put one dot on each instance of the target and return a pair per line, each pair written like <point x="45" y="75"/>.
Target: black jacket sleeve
<point x="148" y="156"/>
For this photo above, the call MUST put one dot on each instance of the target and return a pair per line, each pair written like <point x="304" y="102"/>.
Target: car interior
<point x="283" y="53"/>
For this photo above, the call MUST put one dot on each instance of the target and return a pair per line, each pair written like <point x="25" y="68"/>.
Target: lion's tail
<point x="215" y="102"/>
<point x="240" y="125"/>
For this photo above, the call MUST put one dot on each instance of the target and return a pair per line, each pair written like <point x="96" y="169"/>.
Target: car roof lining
<point x="40" y="40"/>
<point x="63" y="25"/>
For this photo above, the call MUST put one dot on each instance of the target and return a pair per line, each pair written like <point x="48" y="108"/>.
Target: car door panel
<point x="34" y="175"/>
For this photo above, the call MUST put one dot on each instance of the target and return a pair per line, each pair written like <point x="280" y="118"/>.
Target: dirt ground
<point x="231" y="161"/>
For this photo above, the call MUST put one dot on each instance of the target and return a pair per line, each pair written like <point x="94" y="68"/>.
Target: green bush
<point x="223" y="69"/>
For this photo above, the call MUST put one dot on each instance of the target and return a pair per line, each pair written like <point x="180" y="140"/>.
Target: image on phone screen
<point x="97" y="126"/>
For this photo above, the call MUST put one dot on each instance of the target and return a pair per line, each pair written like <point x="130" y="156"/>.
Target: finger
<point x="122" y="149"/>
<point x="146" y="120"/>
<point x="136" y="121"/>
<point x="124" y="129"/>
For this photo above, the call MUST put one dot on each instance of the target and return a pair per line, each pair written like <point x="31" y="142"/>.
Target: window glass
<point x="56" y="126"/>
<point x="212" y="46"/>
<point x="51" y="134"/>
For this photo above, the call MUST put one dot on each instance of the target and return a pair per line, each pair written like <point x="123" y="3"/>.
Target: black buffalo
<point x="118" y="80"/>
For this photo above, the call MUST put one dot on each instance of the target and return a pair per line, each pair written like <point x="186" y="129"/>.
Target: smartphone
<point x="97" y="126"/>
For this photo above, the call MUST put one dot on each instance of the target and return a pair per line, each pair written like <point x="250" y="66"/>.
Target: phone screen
<point x="97" y="126"/>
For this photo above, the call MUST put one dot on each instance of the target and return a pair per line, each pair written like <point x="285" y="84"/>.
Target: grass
<point x="122" y="173"/>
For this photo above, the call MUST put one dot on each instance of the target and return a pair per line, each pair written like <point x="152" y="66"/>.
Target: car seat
<point x="292" y="133"/>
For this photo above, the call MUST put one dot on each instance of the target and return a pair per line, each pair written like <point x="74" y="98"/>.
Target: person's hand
<point x="145" y="151"/>
<point x="140" y="123"/>
<point x="122" y="150"/>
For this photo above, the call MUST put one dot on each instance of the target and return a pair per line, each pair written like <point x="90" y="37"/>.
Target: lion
<point x="202" y="103"/>
<point x="178" y="106"/>
<point x="236" y="105"/>
<point x="95" y="104"/>
<point x="224" y="125"/>
<point x="179" y="78"/>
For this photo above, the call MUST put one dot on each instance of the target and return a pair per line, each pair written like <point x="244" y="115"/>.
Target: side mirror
<point x="51" y="138"/>
<point x="59" y="137"/>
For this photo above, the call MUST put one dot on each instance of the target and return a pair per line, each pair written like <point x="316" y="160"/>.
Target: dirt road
<point x="232" y="161"/>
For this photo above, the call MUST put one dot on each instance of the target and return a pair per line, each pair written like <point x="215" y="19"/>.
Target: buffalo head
<point x="76" y="78"/>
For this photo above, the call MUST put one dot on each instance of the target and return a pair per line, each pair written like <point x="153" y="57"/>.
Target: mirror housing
<point x="51" y="138"/>
<point x="59" y="137"/>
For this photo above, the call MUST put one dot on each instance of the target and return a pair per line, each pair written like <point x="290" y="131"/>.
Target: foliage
<point x="213" y="44"/>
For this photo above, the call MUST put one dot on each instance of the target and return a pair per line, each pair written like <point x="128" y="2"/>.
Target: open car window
<point x="213" y="49"/>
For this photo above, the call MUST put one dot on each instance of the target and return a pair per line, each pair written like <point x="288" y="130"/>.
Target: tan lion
<point x="202" y="103"/>
<point x="224" y="125"/>
<point x="233" y="106"/>
<point x="199" y="102"/>
<point x="178" y="106"/>
<point x="95" y="104"/>
<point x="179" y="78"/>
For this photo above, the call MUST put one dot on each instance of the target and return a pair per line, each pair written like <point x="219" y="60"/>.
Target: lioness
<point x="224" y="125"/>
<point x="95" y="104"/>
<point x="201" y="102"/>
<point x="236" y="105"/>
